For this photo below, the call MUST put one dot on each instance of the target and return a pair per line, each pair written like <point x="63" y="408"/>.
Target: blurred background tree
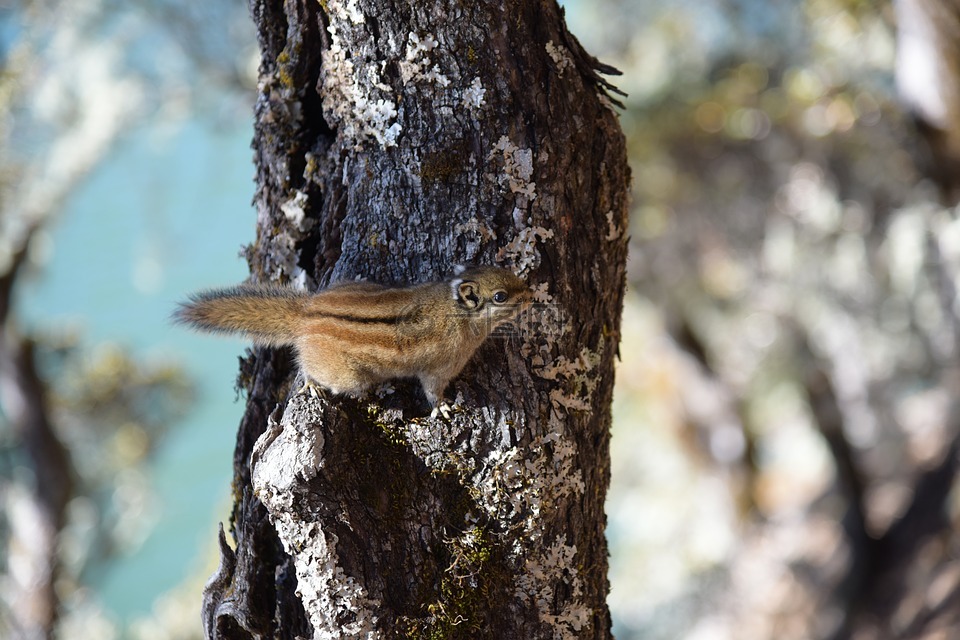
<point x="785" y="432"/>
<point x="84" y="408"/>
<point x="794" y="271"/>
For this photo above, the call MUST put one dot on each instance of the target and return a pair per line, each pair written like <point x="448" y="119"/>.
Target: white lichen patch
<point x="416" y="65"/>
<point x="522" y="250"/>
<point x="352" y="9"/>
<point x="472" y="98"/>
<point x="503" y="486"/>
<point x="577" y="380"/>
<point x="282" y="259"/>
<point x="295" y="211"/>
<point x="517" y="169"/>
<point x="283" y="458"/>
<point x="516" y="485"/>
<point x="561" y="398"/>
<point x="516" y="177"/>
<point x="476" y="228"/>
<point x="541" y="293"/>
<point x="553" y="566"/>
<point x="560" y="56"/>
<point x="564" y="368"/>
<point x="563" y="478"/>
<point x="324" y="589"/>
<point x="355" y="99"/>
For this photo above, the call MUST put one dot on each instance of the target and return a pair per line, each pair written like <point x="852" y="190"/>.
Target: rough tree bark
<point x="392" y="142"/>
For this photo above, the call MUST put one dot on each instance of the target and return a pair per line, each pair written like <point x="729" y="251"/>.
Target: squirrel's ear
<point x="468" y="294"/>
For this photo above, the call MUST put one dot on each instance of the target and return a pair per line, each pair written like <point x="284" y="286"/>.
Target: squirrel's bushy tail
<point x="268" y="315"/>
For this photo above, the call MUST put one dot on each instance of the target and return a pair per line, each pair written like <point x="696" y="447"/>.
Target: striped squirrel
<point x="354" y="335"/>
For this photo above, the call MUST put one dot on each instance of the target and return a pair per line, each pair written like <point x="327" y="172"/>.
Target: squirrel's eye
<point x="500" y="297"/>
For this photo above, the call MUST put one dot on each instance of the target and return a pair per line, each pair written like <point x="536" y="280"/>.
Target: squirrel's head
<point x="492" y="292"/>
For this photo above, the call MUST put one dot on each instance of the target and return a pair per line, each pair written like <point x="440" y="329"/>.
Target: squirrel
<point x="354" y="335"/>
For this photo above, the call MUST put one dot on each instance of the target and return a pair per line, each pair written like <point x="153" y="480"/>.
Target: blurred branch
<point x="926" y="515"/>
<point x="879" y="580"/>
<point x="730" y="402"/>
<point x="8" y="278"/>
<point x="897" y="563"/>
<point x="35" y="530"/>
<point x="829" y="419"/>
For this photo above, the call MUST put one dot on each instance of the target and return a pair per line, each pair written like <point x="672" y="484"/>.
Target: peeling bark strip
<point x="392" y="142"/>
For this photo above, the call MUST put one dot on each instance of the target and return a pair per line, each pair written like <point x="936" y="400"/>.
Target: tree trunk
<point x="393" y="142"/>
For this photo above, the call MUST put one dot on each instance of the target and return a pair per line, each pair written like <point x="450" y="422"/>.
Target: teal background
<point x="167" y="212"/>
